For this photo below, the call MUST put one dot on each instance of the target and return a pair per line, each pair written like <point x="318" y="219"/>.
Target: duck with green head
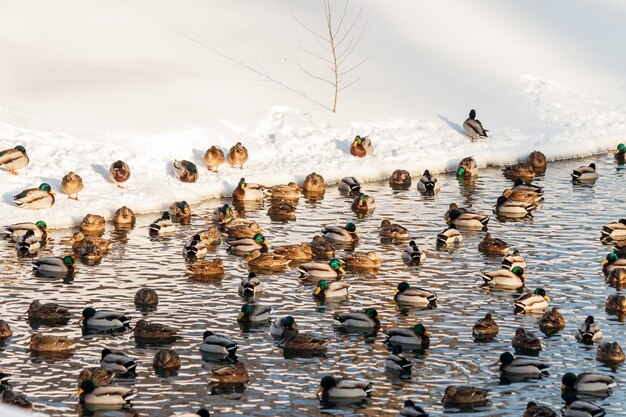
<point x="331" y="290"/>
<point x="254" y="313"/>
<point x="35" y="198"/>
<point x="416" y="336"/>
<point x="620" y="152"/>
<point x="611" y="262"/>
<point x="17" y="230"/>
<point x="363" y="203"/>
<point x="331" y="270"/>
<point x="54" y="265"/>
<point x="467" y="168"/>
<point x="343" y="388"/>
<point x="109" y="395"/>
<point x="246" y="191"/>
<point x="180" y="210"/>
<point x="247" y="245"/>
<point x="185" y="171"/>
<point x="340" y="234"/>
<point x="367" y="319"/>
<point x="514" y="278"/>
<point x="361" y="147"/>
<point x="538" y="300"/>
<point x="13" y="159"/>
<point x="406" y="294"/>
<point x="586" y="382"/>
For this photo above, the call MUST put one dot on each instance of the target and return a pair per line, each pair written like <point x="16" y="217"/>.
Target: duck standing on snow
<point x="213" y="158"/>
<point x="185" y="171"/>
<point x="237" y="155"/>
<point x="119" y="172"/>
<point x="35" y="198"/>
<point x="428" y="184"/>
<point x="585" y="173"/>
<point x="361" y="147"/>
<point x="13" y="159"/>
<point x="72" y="184"/>
<point x="473" y="127"/>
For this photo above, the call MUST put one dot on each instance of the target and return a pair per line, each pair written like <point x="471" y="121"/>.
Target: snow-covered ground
<point x="84" y="83"/>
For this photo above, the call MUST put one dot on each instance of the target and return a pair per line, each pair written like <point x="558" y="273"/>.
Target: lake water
<point x="561" y="245"/>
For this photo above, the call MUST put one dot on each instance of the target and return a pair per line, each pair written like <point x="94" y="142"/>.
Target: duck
<point x="393" y="231"/>
<point x="262" y="260"/>
<point x="17" y="230"/>
<point x="615" y="231"/>
<point x="28" y="243"/>
<point x="294" y="341"/>
<point x="213" y="158"/>
<point x="146" y="297"/>
<point x="80" y="242"/>
<point x="224" y="214"/>
<point x="210" y="236"/>
<point x="5" y="330"/>
<point x="400" y="180"/>
<point x="124" y="217"/>
<point x="620" y="152"/>
<point x="54" y="265"/>
<point x="466" y="220"/>
<point x="47" y="312"/>
<point x="340" y="234"/>
<point x="35" y="198"/>
<point x="449" y="236"/>
<point x="278" y="327"/>
<point x="367" y="319"/>
<point x="611" y="262"/>
<point x="363" y="203"/>
<point x="538" y="300"/>
<point x="493" y="246"/>
<point x="332" y="269"/>
<point x="14" y="399"/>
<point x="299" y="253"/>
<point x="195" y="248"/>
<point x="104" y="319"/>
<point x="362" y="262"/>
<point x="119" y="173"/>
<point x="237" y="155"/>
<point x="617" y="278"/>
<point x="585" y="173"/>
<point x="589" y="331"/>
<point x="163" y="225"/>
<point x="217" y="344"/>
<point x="207" y="268"/>
<point x="522" y="366"/>
<point x="525" y="340"/>
<point x="552" y="321"/>
<point x="331" y="290"/>
<point x="154" y="331"/>
<point x="166" y="359"/>
<point x="473" y="127"/>
<point x="254" y="313"/>
<point x="247" y="245"/>
<point x="361" y="147"/>
<point x="412" y="255"/>
<point x="101" y="376"/>
<point x="464" y="394"/>
<point x="110" y="395"/>
<point x="248" y="191"/>
<point x="13" y="159"/>
<point x="118" y="362"/>
<point x="522" y="170"/>
<point x="185" y="171"/>
<point x="289" y="191"/>
<point x="523" y="194"/>
<point x="203" y="412"/>
<point x="180" y="210"/>
<point x="343" y="388"/>
<point x="314" y="184"/>
<point x="579" y="408"/>
<point x="538" y="161"/>
<point x="586" y="382"/>
<point x="512" y="260"/>
<point x="349" y="186"/>
<point x="428" y="183"/>
<point x="415" y="336"/>
<point x="72" y="183"/>
<point x="520" y="186"/>
<point x="485" y="328"/>
<point x="40" y="343"/>
<point x="513" y="209"/>
<point x="230" y="374"/>
<point x="396" y="362"/>
<point x="616" y="303"/>
<point x="250" y="286"/>
<point x="535" y="410"/>
<point x="322" y="248"/>
<point x="282" y="210"/>
<point x="90" y="252"/>
<point x="237" y="230"/>
<point x="92" y="223"/>
<point x="411" y="409"/>
<point x="467" y="168"/>
<point x="610" y="352"/>
<point x="406" y="294"/>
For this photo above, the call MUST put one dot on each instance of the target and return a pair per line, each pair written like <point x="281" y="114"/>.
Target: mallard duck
<point x="343" y="388"/>
<point x="92" y="223"/>
<point x="449" y="236"/>
<point x="331" y="290"/>
<point x="163" y="225"/>
<point x="362" y="262"/>
<point x="297" y="253"/>
<point x="361" y="147"/>
<point x="207" y="268"/>
<point x="314" y="183"/>
<point x="523" y="196"/>
<point x="247" y="245"/>
<point x="262" y="260"/>
<point x="620" y="152"/>
<point x="451" y="208"/>
<point x="250" y="286"/>
<point x="465" y="220"/>
<point x="72" y="184"/>
<point x="12" y="398"/>
<point x="350" y="186"/>
<point x="254" y="313"/>
<point x="363" y="204"/>
<point x="166" y="359"/>
<point x="294" y="341"/>
<point x="104" y="320"/>
<point x="5" y="330"/>
<point x="522" y="366"/>
<point x="154" y="331"/>
<point x="400" y="180"/>
<point x="535" y="410"/>
<point x="237" y="155"/>
<point x="278" y="327"/>
<point x="589" y="331"/>
<point x="211" y="236"/>
<point x="289" y="191"/>
<point x="248" y="191"/>
<point x="146" y="297"/>
<point x="35" y="198"/>
<point x="195" y="248"/>
<point x="538" y="161"/>
<point x="396" y="362"/>
<point x="185" y="171"/>
<point x="368" y="319"/>
<point x="609" y="352"/>
<point x="17" y="230"/>
<point x="180" y="210"/>
<point x="47" y="311"/>
<point x="217" y="344"/>
<point x="428" y="183"/>
<point x="525" y="340"/>
<point x="485" y="328"/>
<point x="616" y="303"/>
<point x="224" y="214"/>
<point x="512" y="260"/>
<point x="79" y="242"/>
<point x="119" y="172"/>
<point x="406" y="294"/>
<point x="586" y="382"/>
<point x="578" y="408"/>
<point x="473" y="127"/>
<point x="90" y="393"/>
<point x="464" y="394"/>
<point x="281" y="210"/>
<point x="415" y="336"/>
<point x="101" y="376"/>
<point x="13" y="159"/>
<point x="322" y="248"/>
<point x="410" y="409"/>
<point x="412" y="254"/>
<point x="611" y="262"/>
<point x="213" y="158"/>
<point x="467" y="168"/>
<point x="54" y="265"/>
<point x="585" y="173"/>
<point x="28" y="243"/>
<point x="493" y="246"/>
<point x="552" y="321"/>
<point x="90" y="252"/>
<point x="230" y="374"/>
<point x="523" y="171"/>
<point x="520" y="186"/>
<point x="118" y="362"/>
<point x="340" y="234"/>
<point x="47" y="343"/>
<point x="322" y="270"/>
<point x="392" y="231"/>
<point x="124" y="217"/>
<point x="236" y="230"/>
<point x="538" y="300"/>
<point x="617" y="278"/>
<point x="513" y="209"/>
<point x="615" y="231"/>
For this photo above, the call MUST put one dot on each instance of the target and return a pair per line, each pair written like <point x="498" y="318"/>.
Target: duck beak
<point x="317" y="290"/>
<point x="395" y="292"/>
<point x="319" y="391"/>
<point x="343" y="271"/>
<point x="240" y="316"/>
<point x="547" y="298"/>
<point x="294" y="326"/>
<point x="524" y="276"/>
<point x="52" y="192"/>
<point x="78" y="393"/>
<point x="616" y="152"/>
<point x="563" y="387"/>
<point x="604" y="262"/>
<point x="186" y="210"/>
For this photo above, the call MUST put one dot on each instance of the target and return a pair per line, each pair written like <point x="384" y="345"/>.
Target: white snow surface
<point x="85" y="83"/>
